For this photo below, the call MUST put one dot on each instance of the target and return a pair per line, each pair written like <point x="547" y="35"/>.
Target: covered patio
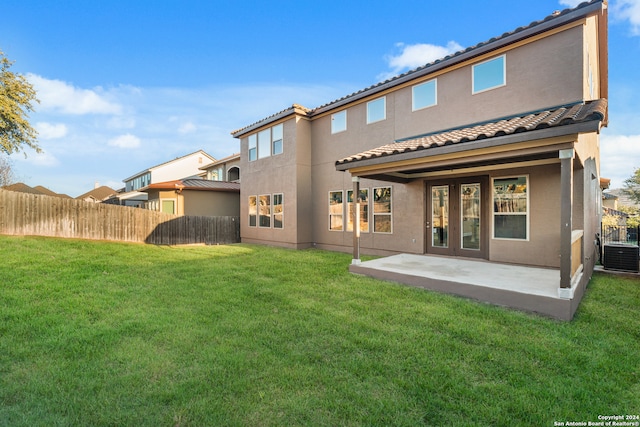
<point x="525" y="288"/>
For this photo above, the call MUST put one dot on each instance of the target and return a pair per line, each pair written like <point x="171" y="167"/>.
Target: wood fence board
<point x="31" y="214"/>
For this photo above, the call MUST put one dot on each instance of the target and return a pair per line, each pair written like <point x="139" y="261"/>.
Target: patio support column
<point x="356" y="220"/>
<point x="566" y="214"/>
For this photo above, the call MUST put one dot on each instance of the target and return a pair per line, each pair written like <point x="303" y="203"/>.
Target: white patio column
<point x="356" y="220"/>
<point x="566" y="214"/>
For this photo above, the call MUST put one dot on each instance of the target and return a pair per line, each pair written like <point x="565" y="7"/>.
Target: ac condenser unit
<point x="621" y="257"/>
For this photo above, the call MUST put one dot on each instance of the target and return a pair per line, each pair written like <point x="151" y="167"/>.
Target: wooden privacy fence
<point x="40" y="215"/>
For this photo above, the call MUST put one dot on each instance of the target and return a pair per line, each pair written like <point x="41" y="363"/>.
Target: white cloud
<point x="42" y="160"/>
<point x="628" y="10"/>
<point x="187" y="127"/>
<point x="571" y="3"/>
<point x="51" y="131"/>
<point x="125" y="141"/>
<point x="619" y="156"/>
<point x="416" y="55"/>
<point x="121" y="122"/>
<point x="621" y="10"/>
<point x="62" y="97"/>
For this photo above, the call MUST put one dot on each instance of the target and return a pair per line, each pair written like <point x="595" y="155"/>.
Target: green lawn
<point x="97" y="334"/>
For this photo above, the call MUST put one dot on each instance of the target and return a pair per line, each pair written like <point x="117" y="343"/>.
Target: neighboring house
<point x="39" y="189"/>
<point x="226" y="169"/>
<point x="134" y="199"/>
<point x="609" y="201"/>
<point x="182" y="167"/>
<point x="99" y="194"/>
<point x="490" y="153"/>
<point x="623" y="199"/>
<point x="199" y="197"/>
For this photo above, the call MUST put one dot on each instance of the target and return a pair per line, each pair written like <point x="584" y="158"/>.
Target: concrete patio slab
<point x="525" y="288"/>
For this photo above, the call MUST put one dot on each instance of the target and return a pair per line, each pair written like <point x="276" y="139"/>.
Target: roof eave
<point x="291" y="111"/>
<point x="470" y="53"/>
<point x="577" y="128"/>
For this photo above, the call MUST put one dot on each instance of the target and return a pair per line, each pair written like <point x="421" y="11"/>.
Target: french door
<point x="457" y="217"/>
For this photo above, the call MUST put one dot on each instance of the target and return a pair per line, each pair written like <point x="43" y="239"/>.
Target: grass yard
<point x="107" y="334"/>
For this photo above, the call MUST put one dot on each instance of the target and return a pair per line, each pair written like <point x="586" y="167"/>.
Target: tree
<point x="632" y="186"/>
<point x="7" y="176"/>
<point x="16" y="101"/>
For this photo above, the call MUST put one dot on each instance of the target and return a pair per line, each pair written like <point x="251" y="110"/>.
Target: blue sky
<point x="125" y="85"/>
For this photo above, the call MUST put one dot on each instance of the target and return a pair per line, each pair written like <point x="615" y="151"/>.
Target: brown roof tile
<point x="560" y="116"/>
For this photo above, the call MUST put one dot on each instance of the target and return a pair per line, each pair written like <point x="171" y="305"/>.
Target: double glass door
<point x="456" y="217"/>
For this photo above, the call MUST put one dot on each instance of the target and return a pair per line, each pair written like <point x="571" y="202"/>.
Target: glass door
<point x="470" y="216"/>
<point x="440" y="216"/>
<point x="455" y="217"/>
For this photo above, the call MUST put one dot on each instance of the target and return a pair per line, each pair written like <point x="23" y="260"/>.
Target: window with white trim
<point x="511" y="207"/>
<point x="364" y="210"/>
<point x="253" y="211"/>
<point x="339" y="122"/>
<point x="264" y="210"/>
<point x="424" y="95"/>
<point x="382" y="210"/>
<point x="376" y="110"/>
<point x="253" y="147"/>
<point x="336" y="211"/>
<point x="489" y="74"/>
<point x="278" y="210"/>
<point x="267" y="142"/>
<point x="276" y="139"/>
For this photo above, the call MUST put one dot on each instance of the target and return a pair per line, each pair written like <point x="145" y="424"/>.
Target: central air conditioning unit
<point x="622" y="257"/>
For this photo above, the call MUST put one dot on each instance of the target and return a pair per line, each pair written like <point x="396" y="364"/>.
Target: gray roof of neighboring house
<point x="582" y="113"/>
<point x="554" y="20"/>
<point x="194" y="184"/>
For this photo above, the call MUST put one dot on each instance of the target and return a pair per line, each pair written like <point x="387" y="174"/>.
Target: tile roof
<point x="295" y="108"/>
<point x="556" y="19"/>
<point x="552" y="118"/>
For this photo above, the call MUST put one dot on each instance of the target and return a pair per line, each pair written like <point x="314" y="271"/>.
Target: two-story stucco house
<point x="187" y="166"/>
<point x="491" y="153"/>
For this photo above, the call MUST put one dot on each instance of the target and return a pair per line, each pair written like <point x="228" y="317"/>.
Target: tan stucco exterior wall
<point x="545" y="73"/>
<point x="210" y="203"/>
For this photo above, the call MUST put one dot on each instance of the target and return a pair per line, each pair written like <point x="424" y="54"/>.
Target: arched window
<point x="233" y="174"/>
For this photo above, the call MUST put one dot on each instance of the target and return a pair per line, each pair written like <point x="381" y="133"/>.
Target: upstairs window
<point x="424" y="95"/>
<point x="376" y="110"/>
<point x="267" y="142"/>
<point x="217" y="174"/>
<point x="489" y="74"/>
<point x="253" y="147"/>
<point x="264" y="143"/>
<point x="276" y="139"/>
<point x="339" y="122"/>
